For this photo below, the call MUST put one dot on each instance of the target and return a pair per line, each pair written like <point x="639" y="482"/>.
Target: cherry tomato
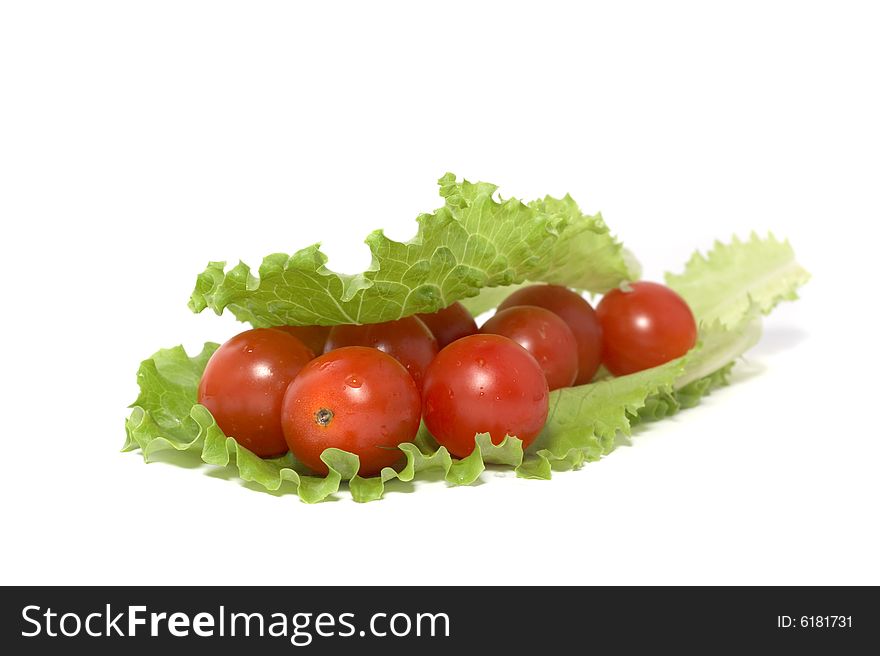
<point x="312" y="336"/>
<point x="354" y="398"/>
<point x="244" y="383"/>
<point x="450" y="323"/>
<point x="484" y="384"/>
<point x="543" y="334"/>
<point x="644" y="327"/>
<point x="407" y="340"/>
<point x="576" y="312"/>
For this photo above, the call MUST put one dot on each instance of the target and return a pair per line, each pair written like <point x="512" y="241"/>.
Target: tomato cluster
<point x="371" y="386"/>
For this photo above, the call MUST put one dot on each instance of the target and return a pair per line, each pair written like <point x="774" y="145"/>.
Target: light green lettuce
<point x="732" y="278"/>
<point x="473" y="242"/>
<point x="728" y="290"/>
<point x="166" y="416"/>
<point x="585" y="421"/>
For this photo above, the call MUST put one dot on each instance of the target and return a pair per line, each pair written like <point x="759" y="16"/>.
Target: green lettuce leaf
<point x="581" y="428"/>
<point x="728" y="290"/>
<point x="166" y="416"/>
<point x="584" y="424"/>
<point x="585" y="421"/>
<point x="473" y="242"/>
<point x="733" y="278"/>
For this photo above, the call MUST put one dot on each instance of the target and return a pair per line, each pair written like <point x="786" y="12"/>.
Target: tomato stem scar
<point x="323" y="417"/>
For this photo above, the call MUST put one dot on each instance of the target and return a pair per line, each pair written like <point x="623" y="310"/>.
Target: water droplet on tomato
<point x="481" y="362"/>
<point x="451" y="394"/>
<point x="353" y="381"/>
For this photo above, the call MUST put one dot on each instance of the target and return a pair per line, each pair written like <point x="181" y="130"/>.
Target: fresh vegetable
<point x="484" y="384"/>
<point x="731" y="279"/>
<point x="312" y="336"/>
<point x="644" y="325"/>
<point x="472" y="243"/>
<point x="407" y="340"/>
<point x="450" y="323"/>
<point x="576" y="312"/>
<point x="244" y="383"/>
<point x="356" y="399"/>
<point x="544" y="335"/>
<point x="460" y="252"/>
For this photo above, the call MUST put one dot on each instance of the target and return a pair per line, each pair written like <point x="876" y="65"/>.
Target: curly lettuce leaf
<point x="473" y="242"/>
<point x="727" y="290"/>
<point x="732" y="278"/>
<point x="167" y="416"/>
<point x="584" y="421"/>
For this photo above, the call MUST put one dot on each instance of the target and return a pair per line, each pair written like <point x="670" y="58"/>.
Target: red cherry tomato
<point x="484" y="384"/>
<point x="407" y="340"/>
<point x="645" y="327"/>
<point x="543" y="334"/>
<point x="576" y="312"/>
<point x="450" y="323"/>
<point x="244" y="383"/>
<point x="354" y="398"/>
<point x="312" y="336"/>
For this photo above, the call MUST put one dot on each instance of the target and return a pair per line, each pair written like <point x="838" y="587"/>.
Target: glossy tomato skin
<point x="576" y="312"/>
<point x="354" y="398"/>
<point x="244" y="384"/>
<point x="312" y="336"/>
<point x="644" y="327"/>
<point x="449" y="324"/>
<point x="484" y="384"/>
<point x="543" y="334"/>
<point x="407" y="340"/>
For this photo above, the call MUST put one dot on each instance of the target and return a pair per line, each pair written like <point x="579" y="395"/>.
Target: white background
<point x="140" y="140"/>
